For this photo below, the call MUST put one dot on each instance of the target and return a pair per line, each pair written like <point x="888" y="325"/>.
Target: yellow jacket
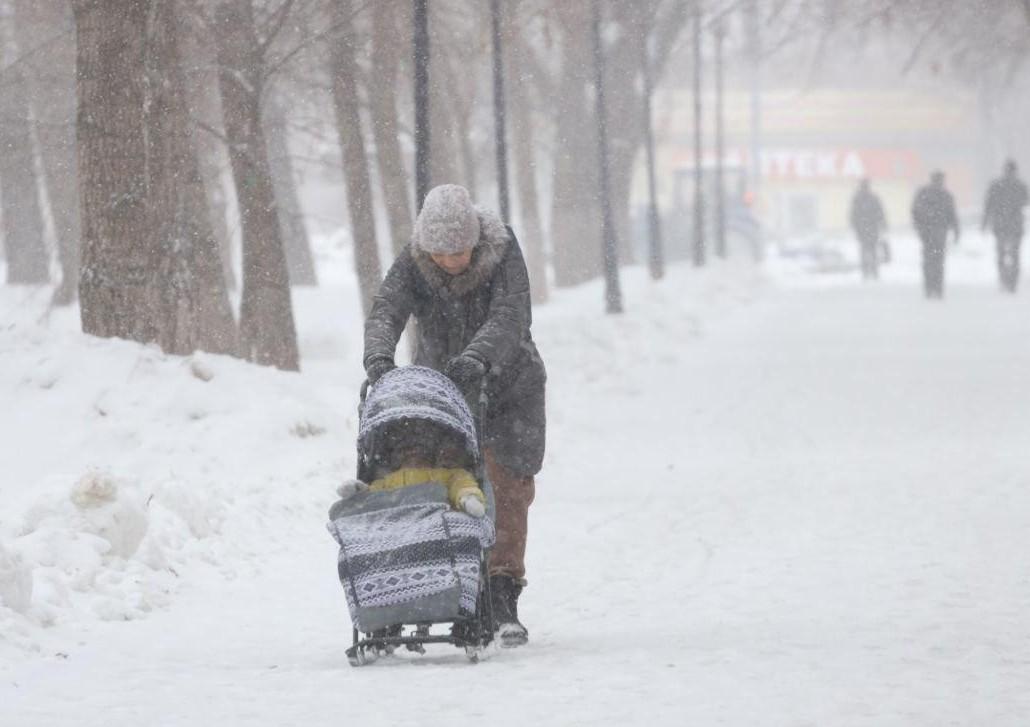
<point x="458" y="482"/>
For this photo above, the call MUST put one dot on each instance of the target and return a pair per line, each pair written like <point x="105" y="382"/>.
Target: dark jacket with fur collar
<point x="484" y="311"/>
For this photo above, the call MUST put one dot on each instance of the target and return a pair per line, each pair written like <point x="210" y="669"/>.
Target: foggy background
<point x="817" y="94"/>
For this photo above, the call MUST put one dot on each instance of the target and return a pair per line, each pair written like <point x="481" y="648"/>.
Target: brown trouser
<point x="512" y="495"/>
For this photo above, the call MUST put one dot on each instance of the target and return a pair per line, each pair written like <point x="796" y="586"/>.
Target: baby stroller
<point x="407" y="560"/>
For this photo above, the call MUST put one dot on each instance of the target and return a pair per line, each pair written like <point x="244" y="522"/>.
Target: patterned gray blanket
<point x="406" y="557"/>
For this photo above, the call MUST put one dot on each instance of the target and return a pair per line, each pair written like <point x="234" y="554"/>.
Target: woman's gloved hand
<point x="465" y="371"/>
<point x="377" y="367"/>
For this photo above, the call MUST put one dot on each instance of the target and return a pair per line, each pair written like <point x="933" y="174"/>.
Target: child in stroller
<point x="412" y="451"/>
<point x="413" y="542"/>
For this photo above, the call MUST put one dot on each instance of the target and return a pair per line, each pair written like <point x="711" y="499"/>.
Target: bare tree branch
<point x="211" y="130"/>
<point x="43" y="46"/>
<point x="272" y="69"/>
<point x="917" y="50"/>
<point x="275" y="25"/>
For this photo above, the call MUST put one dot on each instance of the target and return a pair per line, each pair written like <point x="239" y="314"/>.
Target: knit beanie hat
<point x="448" y="222"/>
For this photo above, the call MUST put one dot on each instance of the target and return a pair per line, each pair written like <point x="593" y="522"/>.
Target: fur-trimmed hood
<point x="486" y="256"/>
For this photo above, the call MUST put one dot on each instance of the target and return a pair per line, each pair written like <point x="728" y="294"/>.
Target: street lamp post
<point x="699" y="200"/>
<point x="654" y="236"/>
<point x="420" y="37"/>
<point x="720" y="190"/>
<point x="612" y="292"/>
<point x="501" y="148"/>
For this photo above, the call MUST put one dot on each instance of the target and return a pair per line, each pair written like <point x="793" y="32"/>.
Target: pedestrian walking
<point x="869" y="223"/>
<point x="1003" y="213"/>
<point x="933" y="214"/>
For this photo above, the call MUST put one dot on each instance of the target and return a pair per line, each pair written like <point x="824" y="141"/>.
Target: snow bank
<point x="130" y="470"/>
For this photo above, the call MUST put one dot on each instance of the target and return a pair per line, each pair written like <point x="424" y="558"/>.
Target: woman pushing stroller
<point x="464" y="280"/>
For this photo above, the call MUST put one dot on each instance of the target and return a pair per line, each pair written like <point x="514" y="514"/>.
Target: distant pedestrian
<point x="1003" y="212"/>
<point x="933" y="214"/>
<point x="869" y="223"/>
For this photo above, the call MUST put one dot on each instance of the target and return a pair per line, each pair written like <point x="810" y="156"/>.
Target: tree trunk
<point x="385" y="126"/>
<point x="20" y="209"/>
<point x="112" y="167"/>
<point x="575" y="231"/>
<point x="575" y="239"/>
<point x="267" y="330"/>
<point x="638" y="20"/>
<point x="51" y="80"/>
<point x="523" y="157"/>
<point x="461" y="92"/>
<point x="201" y="68"/>
<point x="188" y="296"/>
<point x="355" y="161"/>
<point x="299" y="262"/>
<point x="443" y="150"/>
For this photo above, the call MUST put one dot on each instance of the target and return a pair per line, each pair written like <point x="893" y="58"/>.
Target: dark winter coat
<point x="933" y="211"/>
<point x="484" y="311"/>
<point x="867" y="217"/>
<point x="1003" y="209"/>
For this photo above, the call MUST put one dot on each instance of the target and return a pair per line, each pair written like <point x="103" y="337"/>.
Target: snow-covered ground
<point x="770" y="498"/>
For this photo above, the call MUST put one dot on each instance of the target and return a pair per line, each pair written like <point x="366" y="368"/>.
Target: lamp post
<point x="699" y="200"/>
<point x="501" y="148"/>
<point x="654" y="232"/>
<point x="420" y="37"/>
<point x="720" y="190"/>
<point x="612" y="292"/>
<point x="755" y="44"/>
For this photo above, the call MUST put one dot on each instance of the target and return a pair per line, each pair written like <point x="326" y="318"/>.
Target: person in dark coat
<point x="933" y="214"/>
<point x="1003" y="212"/>
<point x="464" y="280"/>
<point x="869" y="223"/>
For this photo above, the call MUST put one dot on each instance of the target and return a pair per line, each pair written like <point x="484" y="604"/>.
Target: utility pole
<point x="720" y="188"/>
<point x="501" y="148"/>
<point x="612" y="292"/>
<point x="421" y="58"/>
<point x="699" y="199"/>
<point x="654" y="231"/>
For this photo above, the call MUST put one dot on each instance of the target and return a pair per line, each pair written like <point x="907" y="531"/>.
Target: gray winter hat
<point x="448" y="222"/>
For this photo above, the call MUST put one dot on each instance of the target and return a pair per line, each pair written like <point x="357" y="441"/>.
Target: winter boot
<point x="504" y="592"/>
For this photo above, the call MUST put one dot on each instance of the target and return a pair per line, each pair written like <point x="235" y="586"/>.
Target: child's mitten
<point x="472" y="505"/>
<point x="349" y="488"/>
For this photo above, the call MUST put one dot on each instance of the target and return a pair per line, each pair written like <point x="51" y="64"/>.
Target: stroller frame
<point x="474" y="634"/>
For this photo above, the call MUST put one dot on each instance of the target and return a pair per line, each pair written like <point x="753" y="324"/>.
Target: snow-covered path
<point x="812" y="511"/>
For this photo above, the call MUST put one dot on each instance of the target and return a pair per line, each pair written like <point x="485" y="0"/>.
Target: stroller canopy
<point x="416" y="392"/>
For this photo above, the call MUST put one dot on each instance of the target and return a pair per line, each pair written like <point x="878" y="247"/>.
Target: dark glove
<point x="377" y="367"/>
<point x="466" y="371"/>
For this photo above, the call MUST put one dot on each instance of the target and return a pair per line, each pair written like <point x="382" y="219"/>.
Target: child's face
<point x="417" y="443"/>
<point x="450" y="456"/>
<point x="412" y="456"/>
